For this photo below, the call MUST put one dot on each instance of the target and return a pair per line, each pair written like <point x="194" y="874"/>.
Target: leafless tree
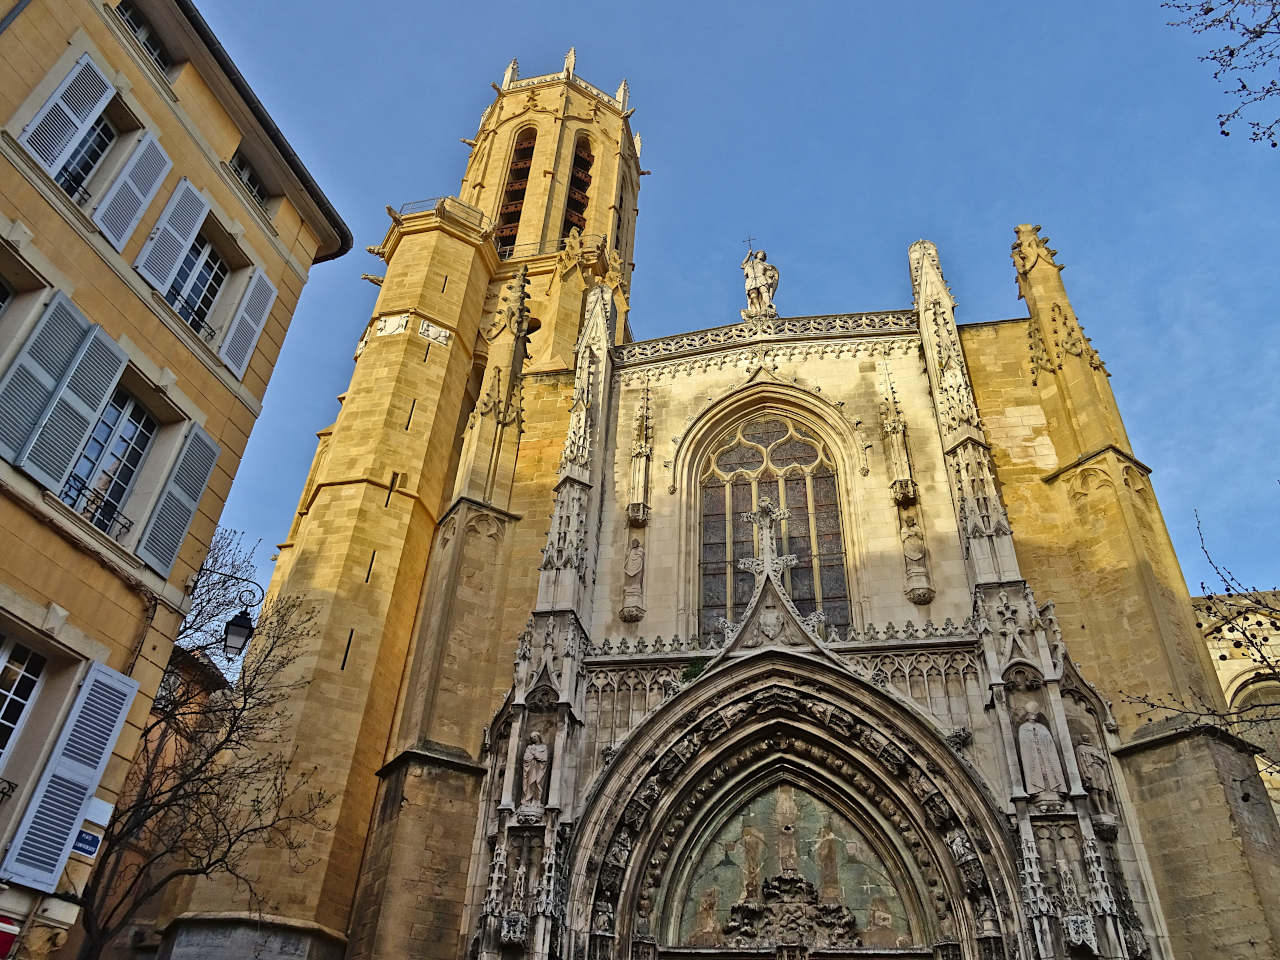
<point x="213" y="775"/>
<point x="1246" y="622"/>
<point x="1247" y="62"/>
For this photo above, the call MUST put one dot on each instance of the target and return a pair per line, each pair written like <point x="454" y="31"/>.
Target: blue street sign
<point x="87" y="843"/>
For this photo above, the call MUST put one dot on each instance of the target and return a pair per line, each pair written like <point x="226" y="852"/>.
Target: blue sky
<point x="837" y="134"/>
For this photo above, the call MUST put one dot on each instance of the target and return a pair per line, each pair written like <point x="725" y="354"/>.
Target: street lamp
<point x="239" y="629"/>
<point x="237" y="634"/>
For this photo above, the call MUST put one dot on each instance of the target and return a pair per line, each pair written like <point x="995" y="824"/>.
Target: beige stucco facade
<point x="93" y="576"/>
<point x="795" y="634"/>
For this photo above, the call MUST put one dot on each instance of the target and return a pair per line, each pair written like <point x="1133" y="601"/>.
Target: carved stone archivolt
<point x="863" y="773"/>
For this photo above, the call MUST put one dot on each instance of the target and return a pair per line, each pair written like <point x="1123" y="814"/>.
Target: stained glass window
<point x="771" y="456"/>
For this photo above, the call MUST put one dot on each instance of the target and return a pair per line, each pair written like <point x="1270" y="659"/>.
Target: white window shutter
<point x="169" y="521"/>
<point x="51" y="451"/>
<point x="56" y="810"/>
<point x="123" y="205"/>
<point x="169" y="242"/>
<point x="55" y="390"/>
<point x="61" y="123"/>
<point x="251" y="317"/>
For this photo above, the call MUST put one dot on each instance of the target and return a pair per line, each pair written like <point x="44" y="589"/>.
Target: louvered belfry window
<point x="575" y="206"/>
<point x="771" y="456"/>
<point x="514" y="190"/>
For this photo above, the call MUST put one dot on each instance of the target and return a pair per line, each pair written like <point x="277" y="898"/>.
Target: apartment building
<point x="156" y="231"/>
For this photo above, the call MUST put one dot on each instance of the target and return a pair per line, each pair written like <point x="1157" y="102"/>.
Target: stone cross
<point x="767" y="561"/>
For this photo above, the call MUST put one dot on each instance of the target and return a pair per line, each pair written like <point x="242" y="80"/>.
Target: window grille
<point x="85" y="158"/>
<point x="775" y="457"/>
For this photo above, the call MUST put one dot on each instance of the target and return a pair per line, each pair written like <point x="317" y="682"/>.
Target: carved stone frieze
<point x="777" y="352"/>
<point x="767" y="328"/>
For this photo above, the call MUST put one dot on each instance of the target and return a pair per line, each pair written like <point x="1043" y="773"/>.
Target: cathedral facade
<point x="794" y="636"/>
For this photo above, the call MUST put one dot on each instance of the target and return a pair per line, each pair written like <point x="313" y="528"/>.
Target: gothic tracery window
<point x="771" y="456"/>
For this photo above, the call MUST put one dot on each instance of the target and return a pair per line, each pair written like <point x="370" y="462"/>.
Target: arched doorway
<point x="785" y="801"/>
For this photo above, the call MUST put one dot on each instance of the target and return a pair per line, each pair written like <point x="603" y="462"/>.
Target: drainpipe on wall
<point x="12" y="15"/>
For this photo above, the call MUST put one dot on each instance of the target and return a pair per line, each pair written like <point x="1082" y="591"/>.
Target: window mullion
<point x="815" y="561"/>
<point x="785" y="547"/>
<point x="728" y="548"/>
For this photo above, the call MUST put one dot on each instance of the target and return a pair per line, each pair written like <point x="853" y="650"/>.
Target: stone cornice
<point x="1084" y="458"/>
<point x="434" y="755"/>
<point x="1160" y="734"/>
<point x="878" y="323"/>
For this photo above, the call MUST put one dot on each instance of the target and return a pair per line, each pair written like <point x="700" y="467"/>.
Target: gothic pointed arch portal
<point x="784" y="800"/>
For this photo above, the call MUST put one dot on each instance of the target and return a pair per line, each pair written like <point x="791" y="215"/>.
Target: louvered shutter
<point x="53" y="816"/>
<point x="171" y="239"/>
<point x="52" y="450"/>
<point x="61" y="123"/>
<point x="123" y="205"/>
<point x="38" y="372"/>
<point x="251" y="317"/>
<point x="55" y="391"/>
<point x="167" y="527"/>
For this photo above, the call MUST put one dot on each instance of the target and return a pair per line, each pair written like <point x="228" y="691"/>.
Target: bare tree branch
<point x="213" y="776"/>
<point x="1247" y="62"/>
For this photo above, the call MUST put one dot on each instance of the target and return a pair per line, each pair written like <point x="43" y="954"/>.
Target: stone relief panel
<point x="787" y="867"/>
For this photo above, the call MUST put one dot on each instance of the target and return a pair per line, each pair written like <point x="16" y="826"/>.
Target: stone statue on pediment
<point x="761" y="278"/>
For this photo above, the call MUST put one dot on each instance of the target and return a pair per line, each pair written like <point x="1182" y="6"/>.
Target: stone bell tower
<point x="448" y="435"/>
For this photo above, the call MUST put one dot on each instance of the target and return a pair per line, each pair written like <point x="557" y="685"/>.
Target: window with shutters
<point x="771" y="456"/>
<point x="83" y="134"/>
<point x="193" y="262"/>
<point x="77" y="419"/>
<point x="104" y="473"/>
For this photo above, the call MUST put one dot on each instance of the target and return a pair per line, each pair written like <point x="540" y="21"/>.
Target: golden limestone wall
<point x="1090" y="537"/>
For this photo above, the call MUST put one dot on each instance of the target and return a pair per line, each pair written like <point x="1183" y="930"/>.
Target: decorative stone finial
<point x="570" y="61"/>
<point x="1031" y="247"/>
<point x="623" y="94"/>
<point x="512" y="73"/>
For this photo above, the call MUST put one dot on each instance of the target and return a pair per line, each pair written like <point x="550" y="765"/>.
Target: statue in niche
<point x="785" y="815"/>
<point x="633" y="583"/>
<point x="1095" y="775"/>
<point x="762" y="283"/>
<point x="706" y="931"/>
<point x="533" y="766"/>
<point x="894" y="430"/>
<point x="880" y="932"/>
<point x="863" y="445"/>
<point x="919" y="587"/>
<point x="1041" y="766"/>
